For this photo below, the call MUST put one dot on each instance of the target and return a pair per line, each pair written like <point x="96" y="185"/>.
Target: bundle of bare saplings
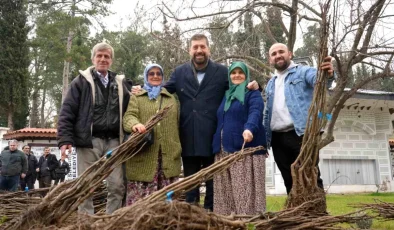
<point x="13" y="204"/>
<point x="306" y="208"/>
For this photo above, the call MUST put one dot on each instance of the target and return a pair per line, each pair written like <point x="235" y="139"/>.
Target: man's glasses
<point x="155" y="73"/>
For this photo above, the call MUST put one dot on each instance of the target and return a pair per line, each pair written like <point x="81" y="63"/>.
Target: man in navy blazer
<point x="200" y="85"/>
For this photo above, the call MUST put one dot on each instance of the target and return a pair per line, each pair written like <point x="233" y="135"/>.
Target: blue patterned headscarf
<point x="153" y="91"/>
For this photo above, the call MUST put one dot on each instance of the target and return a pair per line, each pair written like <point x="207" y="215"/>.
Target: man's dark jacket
<point x="199" y="104"/>
<point x="52" y="164"/>
<point x="76" y="116"/>
<point x="63" y="169"/>
<point x="32" y="163"/>
<point x="13" y="163"/>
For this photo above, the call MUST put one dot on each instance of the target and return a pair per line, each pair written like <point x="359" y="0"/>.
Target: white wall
<point x="359" y="135"/>
<point x="363" y="135"/>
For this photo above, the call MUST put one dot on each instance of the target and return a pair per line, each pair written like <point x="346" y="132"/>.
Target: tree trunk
<point x="34" y="109"/>
<point x="66" y="69"/>
<point x="10" y="117"/>
<point x="42" y="120"/>
<point x="36" y="91"/>
<point x="293" y="26"/>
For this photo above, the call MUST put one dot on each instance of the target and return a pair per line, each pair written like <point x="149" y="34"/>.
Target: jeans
<point x="9" y="183"/>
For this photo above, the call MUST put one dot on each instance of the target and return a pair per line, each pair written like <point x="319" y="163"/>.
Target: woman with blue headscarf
<point x="241" y="188"/>
<point x="159" y="164"/>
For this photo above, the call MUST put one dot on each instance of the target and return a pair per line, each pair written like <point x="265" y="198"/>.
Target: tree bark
<point x="42" y="120"/>
<point x="10" y="114"/>
<point x="66" y="69"/>
<point x="34" y="109"/>
<point x="293" y="26"/>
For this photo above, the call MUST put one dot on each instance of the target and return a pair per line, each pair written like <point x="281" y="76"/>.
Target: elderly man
<point x="91" y="120"/>
<point x="13" y="166"/>
<point x="289" y="95"/>
<point x="32" y="164"/>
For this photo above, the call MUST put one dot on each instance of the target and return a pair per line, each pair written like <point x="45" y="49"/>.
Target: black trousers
<point x="28" y="181"/>
<point x="45" y="181"/>
<point x="59" y="177"/>
<point x="192" y="165"/>
<point x="286" y="147"/>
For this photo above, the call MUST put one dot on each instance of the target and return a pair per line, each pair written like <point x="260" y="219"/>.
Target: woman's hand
<point x="139" y="128"/>
<point x="248" y="136"/>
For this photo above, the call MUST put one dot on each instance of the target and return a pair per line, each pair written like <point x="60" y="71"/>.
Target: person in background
<point x="62" y="170"/>
<point x="13" y="166"/>
<point x="241" y="188"/>
<point x="31" y="174"/>
<point x="46" y="168"/>
<point x="159" y="164"/>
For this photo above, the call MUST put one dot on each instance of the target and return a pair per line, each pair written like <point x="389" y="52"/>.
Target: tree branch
<point x="266" y="27"/>
<point x="293" y="26"/>
<point x="168" y="42"/>
<point x="360" y="31"/>
<point x="373" y="19"/>
<point x="310" y="8"/>
<point x="259" y="63"/>
<point x="247" y="7"/>
<point x="345" y="96"/>
<point x="308" y="18"/>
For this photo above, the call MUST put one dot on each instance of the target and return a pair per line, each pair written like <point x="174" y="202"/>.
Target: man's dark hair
<point x="25" y="146"/>
<point x="47" y="147"/>
<point x="198" y="37"/>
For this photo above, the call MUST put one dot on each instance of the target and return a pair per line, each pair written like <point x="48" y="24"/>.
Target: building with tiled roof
<point x="362" y="155"/>
<point x="37" y="139"/>
<point x="31" y="134"/>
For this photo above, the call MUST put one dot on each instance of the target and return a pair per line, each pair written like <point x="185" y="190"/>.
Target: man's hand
<point x="248" y="136"/>
<point x="253" y="85"/>
<point x="135" y="89"/>
<point x="23" y="175"/>
<point x="327" y="65"/>
<point x="63" y="149"/>
<point x="37" y="169"/>
<point x="139" y="127"/>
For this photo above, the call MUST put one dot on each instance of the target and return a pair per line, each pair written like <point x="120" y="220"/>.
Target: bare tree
<point x="361" y="36"/>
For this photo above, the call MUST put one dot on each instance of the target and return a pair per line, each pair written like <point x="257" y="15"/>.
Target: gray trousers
<point x="115" y="186"/>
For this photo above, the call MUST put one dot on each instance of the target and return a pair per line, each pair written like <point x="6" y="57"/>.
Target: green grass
<point x="338" y="205"/>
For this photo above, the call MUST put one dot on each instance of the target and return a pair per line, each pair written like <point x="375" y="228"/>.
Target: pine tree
<point x="13" y="63"/>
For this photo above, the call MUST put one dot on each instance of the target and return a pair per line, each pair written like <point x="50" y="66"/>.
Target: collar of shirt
<point x="103" y="79"/>
<point x="292" y="65"/>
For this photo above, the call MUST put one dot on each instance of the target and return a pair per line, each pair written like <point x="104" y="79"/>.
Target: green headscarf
<point x="236" y="91"/>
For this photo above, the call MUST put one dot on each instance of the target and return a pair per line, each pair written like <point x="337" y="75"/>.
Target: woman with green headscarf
<point x="241" y="188"/>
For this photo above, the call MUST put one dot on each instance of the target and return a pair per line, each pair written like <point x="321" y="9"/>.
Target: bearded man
<point x="200" y="85"/>
<point x="289" y="95"/>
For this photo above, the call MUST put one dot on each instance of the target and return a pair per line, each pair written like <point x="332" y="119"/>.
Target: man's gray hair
<point x="102" y="46"/>
<point x="12" y="141"/>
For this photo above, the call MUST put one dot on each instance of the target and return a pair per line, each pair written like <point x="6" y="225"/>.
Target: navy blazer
<point x="238" y="118"/>
<point x="199" y="103"/>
